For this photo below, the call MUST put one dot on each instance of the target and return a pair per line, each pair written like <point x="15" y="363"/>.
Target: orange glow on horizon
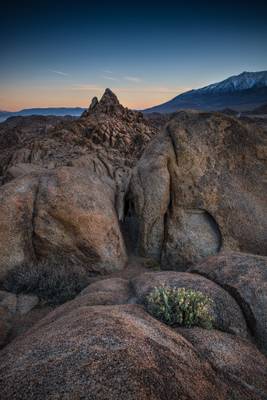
<point x="15" y="99"/>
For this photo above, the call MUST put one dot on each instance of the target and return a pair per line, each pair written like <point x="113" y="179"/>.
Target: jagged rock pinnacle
<point x="108" y="104"/>
<point x="109" y="98"/>
<point x="93" y="104"/>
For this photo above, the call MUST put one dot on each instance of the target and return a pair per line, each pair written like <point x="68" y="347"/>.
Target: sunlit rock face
<point x="65" y="213"/>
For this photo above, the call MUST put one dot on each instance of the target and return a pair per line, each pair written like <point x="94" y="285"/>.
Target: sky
<point x="62" y="53"/>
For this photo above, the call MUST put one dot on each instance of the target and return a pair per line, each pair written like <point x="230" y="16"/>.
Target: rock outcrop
<point x="105" y="188"/>
<point x="5" y="326"/>
<point x="236" y="358"/>
<point x="244" y="276"/>
<point x="116" y="352"/>
<point x="67" y="214"/>
<point x="199" y="188"/>
<point x="17" y="200"/>
<point x="109" y="135"/>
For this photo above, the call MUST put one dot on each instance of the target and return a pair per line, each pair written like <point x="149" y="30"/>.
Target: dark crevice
<point x="129" y="225"/>
<point x="215" y="226"/>
<point x="168" y="211"/>
<point x="246" y="310"/>
<point x="172" y="142"/>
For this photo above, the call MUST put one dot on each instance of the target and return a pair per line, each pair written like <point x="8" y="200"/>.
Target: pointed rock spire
<point x="108" y="104"/>
<point x="93" y="104"/>
<point x="109" y="98"/>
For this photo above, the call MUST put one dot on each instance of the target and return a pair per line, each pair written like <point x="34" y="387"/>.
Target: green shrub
<point x="184" y="307"/>
<point x="54" y="283"/>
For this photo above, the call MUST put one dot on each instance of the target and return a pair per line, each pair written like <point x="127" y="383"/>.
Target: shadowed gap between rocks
<point x="130" y="226"/>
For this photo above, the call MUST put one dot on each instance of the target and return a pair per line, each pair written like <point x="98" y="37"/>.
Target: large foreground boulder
<point x="244" y="276"/>
<point x="65" y="214"/>
<point x="226" y="312"/>
<point x="199" y="188"/>
<point x="111" y="352"/>
<point x="236" y="358"/>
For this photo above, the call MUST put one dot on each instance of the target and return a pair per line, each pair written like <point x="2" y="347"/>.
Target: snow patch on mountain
<point x="246" y="80"/>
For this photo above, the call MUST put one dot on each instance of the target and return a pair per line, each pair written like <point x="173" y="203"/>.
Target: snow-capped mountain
<point x="240" y="92"/>
<point x="244" y="81"/>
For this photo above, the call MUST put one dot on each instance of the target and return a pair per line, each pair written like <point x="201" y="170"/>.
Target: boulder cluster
<point x="136" y="206"/>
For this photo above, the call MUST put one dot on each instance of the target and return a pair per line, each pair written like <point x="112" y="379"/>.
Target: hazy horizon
<point x="63" y="54"/>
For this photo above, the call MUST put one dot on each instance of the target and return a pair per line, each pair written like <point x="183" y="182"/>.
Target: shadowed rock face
<point x="112" y="352"/>
<point x="200" y="187"/>
<point x="244" y="276"/>
<point x="192" y="234"/>
<point x="5" y="325"/>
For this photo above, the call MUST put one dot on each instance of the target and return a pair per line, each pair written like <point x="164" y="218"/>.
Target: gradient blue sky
<point x="63" y="53"/>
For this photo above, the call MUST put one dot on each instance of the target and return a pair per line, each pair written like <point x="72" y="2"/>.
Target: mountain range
<point x="61" y="111"/>
<point x="240" y="92"/>
<point x="244" y="92"/>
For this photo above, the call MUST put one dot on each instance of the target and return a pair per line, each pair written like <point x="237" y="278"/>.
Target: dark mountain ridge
<point x="57" y="111"/>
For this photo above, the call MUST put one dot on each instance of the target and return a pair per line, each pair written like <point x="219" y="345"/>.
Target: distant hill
<point x="260" y="110"/>
<point x="61" y="111"/>
<point x="241" y="92"/>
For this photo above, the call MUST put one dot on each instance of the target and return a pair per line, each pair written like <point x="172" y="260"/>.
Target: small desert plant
<point x="51" y="282"/>
<point x="184" y="307"/>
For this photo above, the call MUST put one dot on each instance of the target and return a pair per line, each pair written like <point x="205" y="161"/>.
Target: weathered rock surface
<point x="111" y="291"/>
<point x="104" y="292"/>
<point x="64" y="213"/>
<point x="25" y="303"/>
<point x="236" y="358"/>
<point x="227" y="314"/>
<point x="16" y="229"/>
<point x="111" y="352"/>
<point x="12" y="307"/>
<point x="75" y="217"/>
<point x="5" y="325"/>
<point x="21" y="169"/>
<point x="199" y="187"/>
<point x="244" y="276"/>
<point x="17" y="304"/>
<point x="8" y="301"/>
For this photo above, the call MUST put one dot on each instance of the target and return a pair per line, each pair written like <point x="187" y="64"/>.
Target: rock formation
<point x="107" y="136"/>
<point x="244" y="276"/>
<point x="226" y="312"/>
<point x="198" y="188"/>
<point x="111" y="195"/>
<point x="64" y="213"/>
